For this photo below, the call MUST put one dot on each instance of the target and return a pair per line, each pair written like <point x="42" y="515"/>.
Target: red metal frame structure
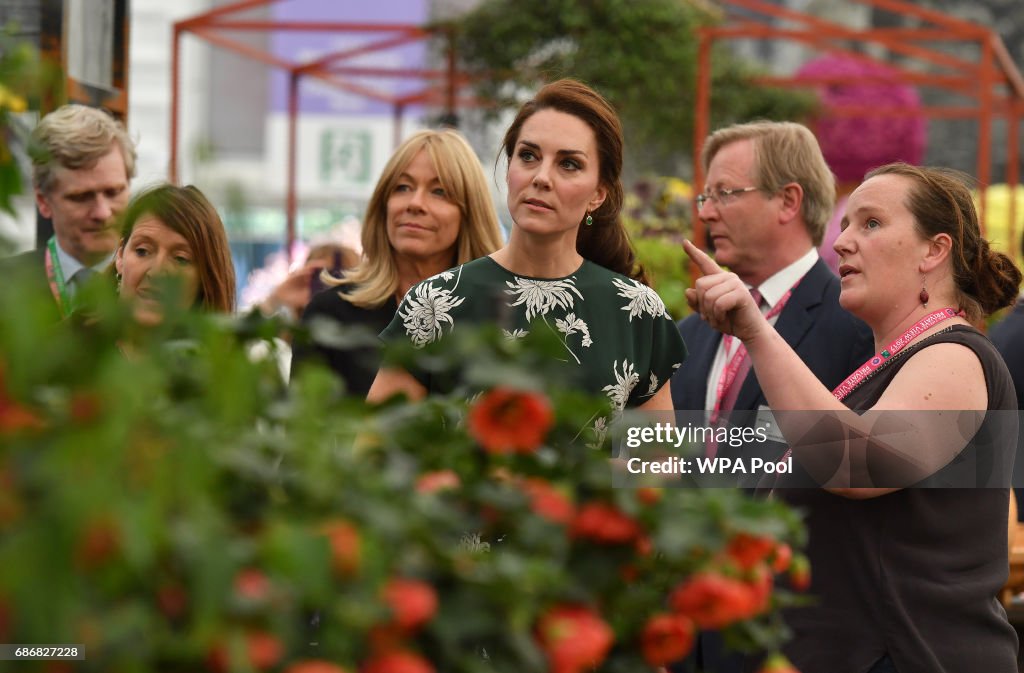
<point x="993" y="81"/>
<point x="330" y="68"/>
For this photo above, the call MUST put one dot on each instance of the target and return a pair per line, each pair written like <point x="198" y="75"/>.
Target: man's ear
<point x="792" y="196"/>
<point x="939" y="248"/>
<point x="43" y="205"/>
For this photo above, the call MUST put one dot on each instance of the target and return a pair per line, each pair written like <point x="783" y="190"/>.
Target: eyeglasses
<point x="722" y="196"/>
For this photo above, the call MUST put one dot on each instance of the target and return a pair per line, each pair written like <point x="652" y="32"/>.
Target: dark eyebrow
<point x="535" y="146"/>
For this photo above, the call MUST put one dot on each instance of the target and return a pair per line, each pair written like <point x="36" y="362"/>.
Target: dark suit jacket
<point x="29" y="267"/>
<point x="830" y="341"/>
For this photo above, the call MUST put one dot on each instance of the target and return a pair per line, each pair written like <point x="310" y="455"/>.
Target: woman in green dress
<point x="568" y="265"/>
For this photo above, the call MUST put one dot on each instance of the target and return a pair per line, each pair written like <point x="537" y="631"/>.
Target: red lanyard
<point x="732" y="367"/>
<point x="865" y="370"/>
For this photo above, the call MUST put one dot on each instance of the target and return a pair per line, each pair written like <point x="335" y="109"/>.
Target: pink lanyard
<point x="732" y="367"/>
<point x="901" y="342"/>
<point x="862" y="373"/>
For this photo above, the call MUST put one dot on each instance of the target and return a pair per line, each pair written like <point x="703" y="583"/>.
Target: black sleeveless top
<point x="914" y="574"/>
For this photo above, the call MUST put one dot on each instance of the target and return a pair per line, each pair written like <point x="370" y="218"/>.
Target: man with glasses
<point x="767" y="198"/>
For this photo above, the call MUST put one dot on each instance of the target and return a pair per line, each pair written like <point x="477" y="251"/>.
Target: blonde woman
<point x="431" y="210"/>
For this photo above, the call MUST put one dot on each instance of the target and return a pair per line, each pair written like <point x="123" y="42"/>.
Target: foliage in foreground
<point x="167" y="503"/>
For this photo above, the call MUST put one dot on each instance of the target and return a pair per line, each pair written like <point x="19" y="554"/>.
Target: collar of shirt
<point x="70" y="266"/>
<point x="775" y="287"/>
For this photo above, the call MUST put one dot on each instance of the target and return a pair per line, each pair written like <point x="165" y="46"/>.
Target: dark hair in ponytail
<point x="941" y="203"/>
<point x="605" y="242"/>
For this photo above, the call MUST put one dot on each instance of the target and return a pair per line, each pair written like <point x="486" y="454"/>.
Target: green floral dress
<point x="615" y="329"/>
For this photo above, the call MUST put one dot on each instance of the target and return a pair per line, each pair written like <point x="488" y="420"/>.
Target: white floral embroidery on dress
<point x="572" y="325"/>
<point x="540" y="296"/>
<point x="642" y="299"/>
<point x="425" y="314"/>
<point x="600" y="429"/>
<point x="653" y="388"/>
<point x="620" y="390"/>
<point x="514" y="334"/>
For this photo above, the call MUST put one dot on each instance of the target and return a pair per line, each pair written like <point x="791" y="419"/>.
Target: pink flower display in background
<point x="853" y="145"/>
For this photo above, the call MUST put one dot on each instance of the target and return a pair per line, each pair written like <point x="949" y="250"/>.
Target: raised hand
<point x="721" y="299"/>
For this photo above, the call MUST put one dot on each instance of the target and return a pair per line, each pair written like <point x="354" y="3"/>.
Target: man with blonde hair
<point x="82" y="163"/>
<point x="767" y="198"/>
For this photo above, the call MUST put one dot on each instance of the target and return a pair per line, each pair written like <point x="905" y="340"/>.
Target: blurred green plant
<point x="640" y="54"/>
<point x="657" y="214"/>
<point x="169" y="505"/>
<point x="25" y="81"/>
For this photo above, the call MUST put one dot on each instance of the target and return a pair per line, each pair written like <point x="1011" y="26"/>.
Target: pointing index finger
<point x="706" y="265"/>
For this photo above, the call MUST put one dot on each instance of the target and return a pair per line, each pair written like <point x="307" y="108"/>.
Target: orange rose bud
<point x="604" y="523"/>
<point x="574" y="638"/>
<point x="749" y="550"/>
<point x="648" y="495"/>
<point x="800" y="573"/>
<point x="314" y="666"/>
<point x="510" y="421"/>
<point x="346" y="546"/>
<point x="413" y="602"/>
<point x="782" y="557"/>
<point x="263" y="650"/>
<point x="777" y="663"/>
<point x="548" y="502"/>
<point x="397" y="662"/>
<point x="713" y="601"/>
<point x="666" y="638"/>
<point x="252" y="585"/>
<point x="440" y="480"/>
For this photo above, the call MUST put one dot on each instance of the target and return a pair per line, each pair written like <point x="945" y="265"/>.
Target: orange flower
<point x="252" y="585"/>
<point x="397" y="662"/>
<point x="314" y="666"/>
<point x="510" y="421"/>
<point x="782" y="557"/>
<point x="346" y="546"/>
<point x="648" y="495"/>
<point x="14" y="416"/>
<point x="263" y="650"/>
<point x="604" y="523"/>
<point x="800" y="573"/>
<point x="714" y="601"/>
<point x="574" y="638"/>
<point x="548" y="502"/>
<point x="666" y="638"/>
<point x="777" y="663"/>
<point x="749" y="550"/>
<point x="412" y="602"/>
<point x="440" y="480"/>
